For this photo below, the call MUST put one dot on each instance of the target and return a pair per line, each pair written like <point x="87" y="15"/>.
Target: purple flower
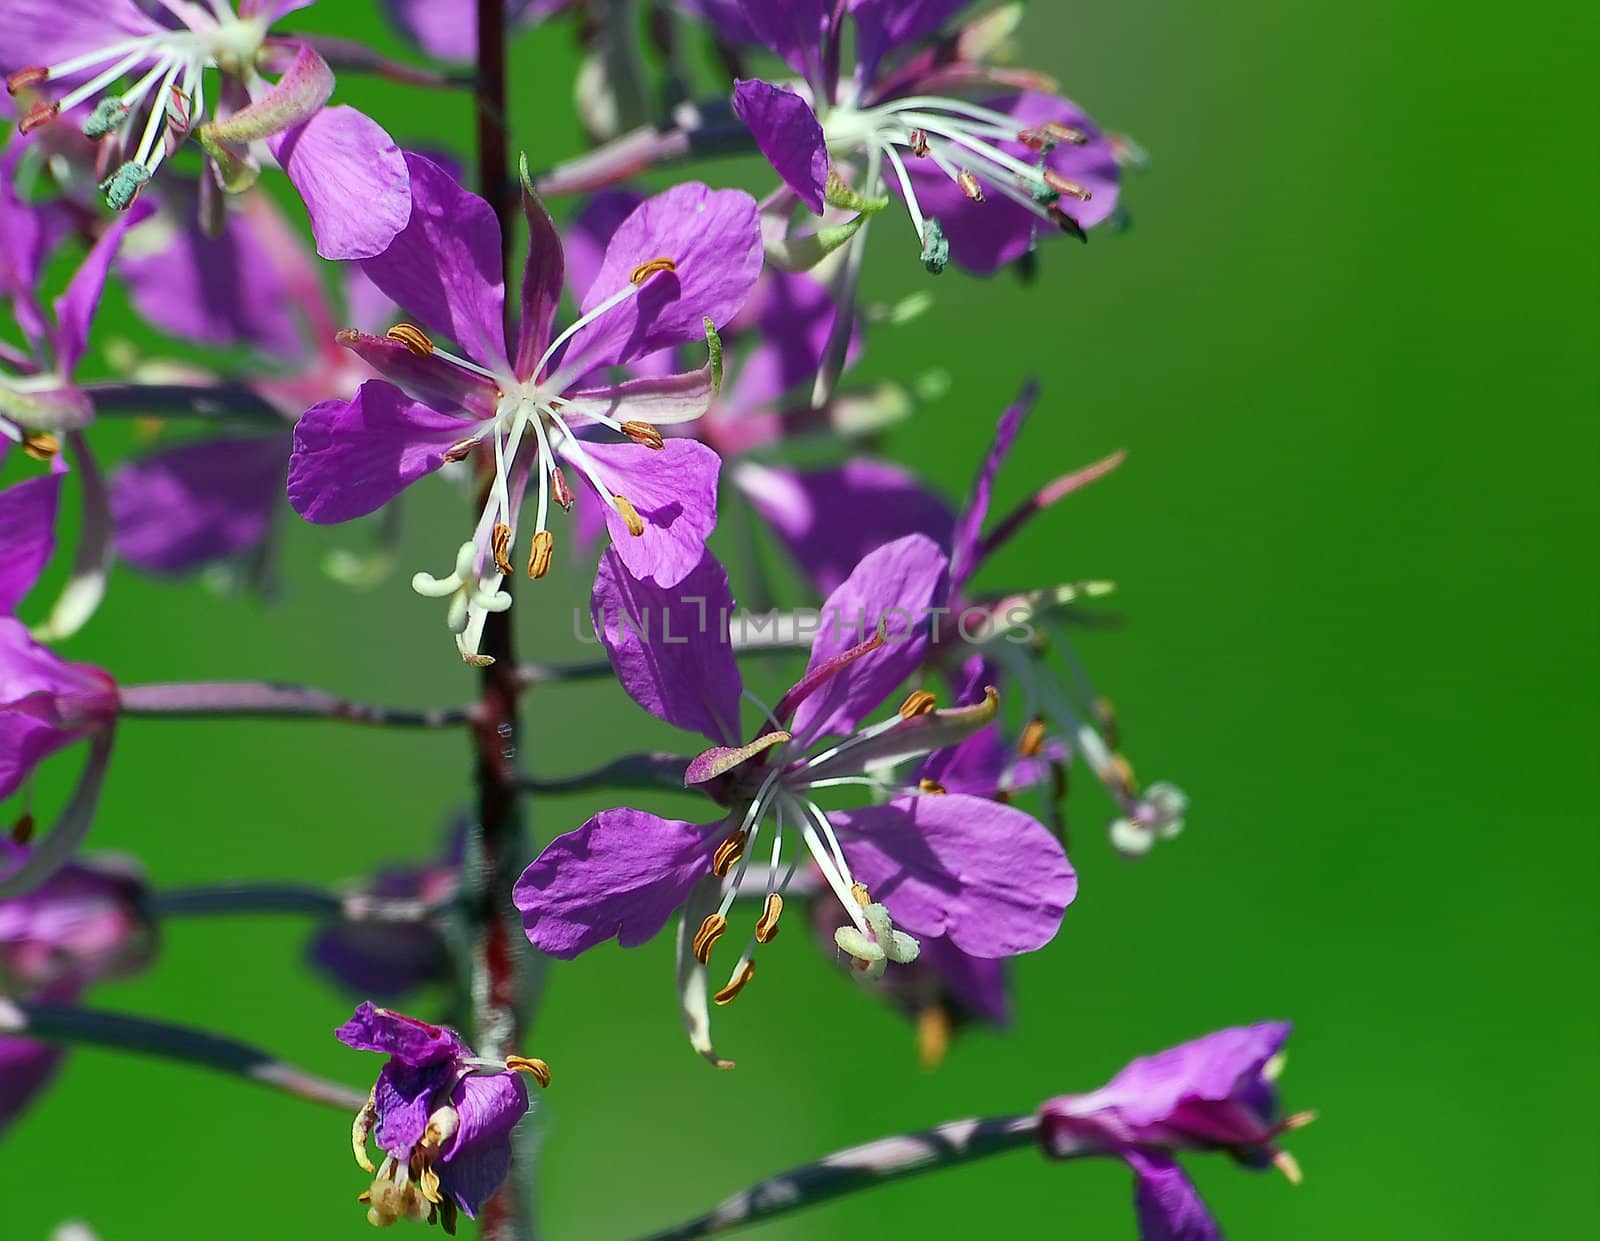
<point x="682" y="262"/>
<point x="980" y="157"/>
<point x="348" y="171"/>
<point x="441" y="1115"/>
<point x="392" y="959"/>
<point x="85" y="923"/>
<point x="816" y="513"/>
<point x="1216" y="1093"/>
<point x="46" y="703"/>
<point x="987" y="876"/>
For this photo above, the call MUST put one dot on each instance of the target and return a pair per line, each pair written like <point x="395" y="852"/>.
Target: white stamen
<point x="98" y="83"/>
<point x="101" y="55"/>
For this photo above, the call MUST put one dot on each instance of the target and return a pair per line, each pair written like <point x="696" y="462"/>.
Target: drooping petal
<point x="389" y="1033"/>
<point x="896" y="584"/>
<point x="622" y="874"/>
<point x="27" y="535"/>
<point x="659" y="400"/>
<point x="86" y="580"/>
<point x="428" y="377"/>
<point x="988" y="876"/>
<point x="351" y="457"/>
<point x="71" y="827"/>
<point x="353" y="180"/>
<point x="789" y="135"/>
<point x="712" y="238"/>
<point x="794" y="29"/>
<point x="829" y="519"/>
<point x="1168" y="1205"/>
<point x="542" y="277"/>
<point x="1219" y="1066"/>
<point x="968" y="535"/>
<point x="693" y="993"/>
<point x="669" y="646"/>
<point x="444" y="267"/>
<point x="674" y="491"/>
<point x="199" y="502"/>
<point x="292" y="100"/>
<point x="475" y="1161"/>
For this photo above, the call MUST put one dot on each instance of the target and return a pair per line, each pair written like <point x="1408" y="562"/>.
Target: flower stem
<point x="861" y="1167"/>
<point x="497" y="847"/>
<point x="256" y="699"/>
<point x="284" y="898"/>
<point x="67" y="1023"/>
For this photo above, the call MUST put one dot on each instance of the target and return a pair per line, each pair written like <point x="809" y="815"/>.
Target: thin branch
<point x="67" y="1023"/>
<point x="861" y="1167"/>
<point x="348" y="55"/>
<point x="258" y="699"/>
<point x="285" y="898"/>
<point x="210" y="400"/>
<point x="631" y="771"/>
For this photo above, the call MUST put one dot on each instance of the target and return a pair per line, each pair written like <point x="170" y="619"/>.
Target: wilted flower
<point x="347" y="169"/>
<point x="1216" y="1093"/>
<point x="442" y="1116"/>
<point x="680" y="263"/>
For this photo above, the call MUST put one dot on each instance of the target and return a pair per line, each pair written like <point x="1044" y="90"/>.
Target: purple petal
<point x="714" y="239"/>
<point x="988" y="876"/>
<point x="1216" y="1067"/>
<point x="719" y="760"/>
<point x="445" y="31"/>
<point x="794" y="29"/>
<point x="444" y="268"/>
<point x="427" y="377"/>
<point x="789" y="135"/>
<point x="883" y="26"/>
<point x="978" y="985"/>
<point x="353" y="457"/>
<point x="1168" y="1205"/>
<point x="790" y="315"/>
<point x="621" y="874"/>
<point x="476" y="1160"/>
<point x="46" y="703"/>
<point x="271" y="10"/>
<point x="674" y="490"/>
<point x="406" y="1095"/>
<point x="830" y="519"/>
<point x="974" y="767"/>
<point x="408" y="1040"/>
<point x="47" y="32"/>
<point x="76" y="306"/>
<point x="660" y="400"/>
<point x="290" y="101"/>
<point x="590" y="232"/>
<point x="967" y="539"/>
<point x="187" y="506"/>
<point x="669" y="645"/>
<point x="222" y="290"/>
<point x="26" y="1069"/>
<point x="542" y="277"/>
<point x="27" y="535"/>
<point x="897" y="583"/>
<point x="353" y="180"/>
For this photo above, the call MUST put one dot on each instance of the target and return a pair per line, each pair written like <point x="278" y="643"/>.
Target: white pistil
<point x="912" y="205"/>
<point x="158" y="114"/>
<point x="839" y="882"/>
<point x="463" y="588"/>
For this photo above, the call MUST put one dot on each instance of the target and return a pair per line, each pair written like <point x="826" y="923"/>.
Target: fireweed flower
<point x="393" y="959"/>
<point x="441" y="1115"/>
<point x="979" y="157"/>
<point x="1217" y="1093"/>
<point x="46" y="703"/>
<point x="682" y="262"/>
<point x="987" y="876"/>
<point x="347" y="170"/>
<point x="84" y="924"/>
<point x="816" y="513"/>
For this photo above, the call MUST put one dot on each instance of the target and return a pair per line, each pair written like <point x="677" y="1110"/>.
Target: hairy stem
<point x="861" y="1167"/>
<point x="256" y="699"/>
<point x="67" y="1023"/>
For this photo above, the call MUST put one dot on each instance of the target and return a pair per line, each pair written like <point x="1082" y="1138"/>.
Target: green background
<point x="1354" y="546"/>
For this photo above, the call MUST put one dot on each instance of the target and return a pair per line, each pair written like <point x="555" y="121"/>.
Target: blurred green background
<point x="1344" y="344"/>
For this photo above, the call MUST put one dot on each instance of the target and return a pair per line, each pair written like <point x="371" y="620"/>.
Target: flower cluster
<point x="672" y="359"/>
